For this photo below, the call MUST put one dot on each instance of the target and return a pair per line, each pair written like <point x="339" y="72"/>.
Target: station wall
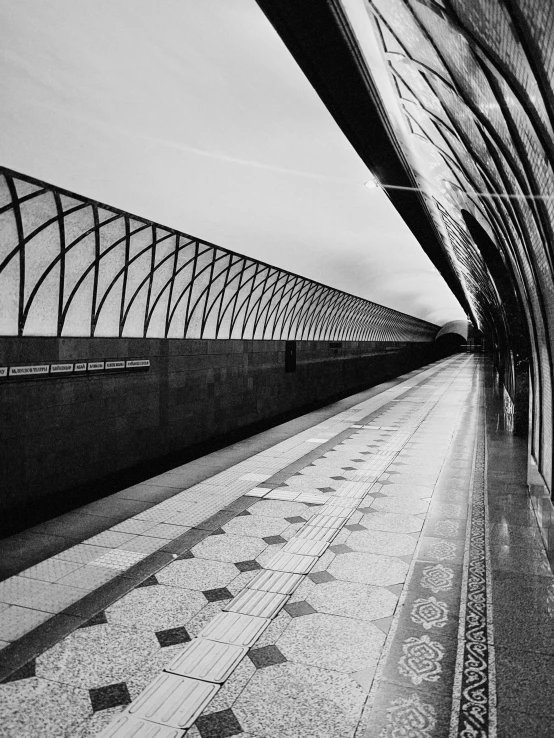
<point x="62" y="439"/>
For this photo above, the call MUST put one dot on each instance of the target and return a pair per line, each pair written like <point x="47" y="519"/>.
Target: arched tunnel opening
<point x="452" y="338"/>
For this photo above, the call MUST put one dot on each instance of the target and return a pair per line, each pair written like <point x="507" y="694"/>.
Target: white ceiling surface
<point x="192" y="113"/>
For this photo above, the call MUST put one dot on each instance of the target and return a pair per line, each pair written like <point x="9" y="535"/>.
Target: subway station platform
<point x="373" y="568"/>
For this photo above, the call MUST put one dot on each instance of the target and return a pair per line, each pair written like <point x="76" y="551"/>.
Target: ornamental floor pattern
<point x="342" y="587"/>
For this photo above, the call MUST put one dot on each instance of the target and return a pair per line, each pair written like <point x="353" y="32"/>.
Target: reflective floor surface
<point x="378" y="573"/>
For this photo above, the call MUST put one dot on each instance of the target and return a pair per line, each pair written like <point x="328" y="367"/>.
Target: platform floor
<point x="373" y="569"/>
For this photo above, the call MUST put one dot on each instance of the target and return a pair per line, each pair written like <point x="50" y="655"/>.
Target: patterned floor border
<point x="411" y="713"/>
<point x="474" y="694"/>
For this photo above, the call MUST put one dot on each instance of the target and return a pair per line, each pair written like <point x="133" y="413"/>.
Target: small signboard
<point x="61" y="368"/>
<point x="78" y="367"/>
<point x="29" y="371"/>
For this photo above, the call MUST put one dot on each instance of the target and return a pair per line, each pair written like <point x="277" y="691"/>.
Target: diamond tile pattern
<point x="112" y="695"/>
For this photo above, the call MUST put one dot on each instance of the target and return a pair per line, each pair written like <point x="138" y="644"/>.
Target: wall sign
<point x="73" y="368"/>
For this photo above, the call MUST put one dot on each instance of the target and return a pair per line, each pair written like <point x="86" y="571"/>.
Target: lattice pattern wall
<point x="475" y="82"/>
<point x="73" y="267"/>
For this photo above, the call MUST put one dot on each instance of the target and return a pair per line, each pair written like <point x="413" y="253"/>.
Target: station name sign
<point x="74" y="368"/>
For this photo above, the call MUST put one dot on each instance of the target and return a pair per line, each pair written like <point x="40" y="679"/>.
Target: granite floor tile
<point x="368" y="568"/>
<point x="205" y="616"/>
<point x="94" y="657"/>
<point x="275" y="629"/>
<point x="524" y="630"/>
<point x="229" y="548"/>
<point x="381" y="542"/>
<point x="50" y="708"/>
<point x="233" y="687"/>
<point x="156" y="608"/>
<point x="525" y="681"/>
<point x="332" y="642"/>
<point x="256" y="526"/>
<point x="299" y="701"/>
<point x="352" y="600"/>
<point x="400" y="505"/>
<point x="513" y="723"/>
<point x="198" y="574"/>
<point x="279" y="509"/>
<point x="392" y="522"/>
<point x="520" y="560"/>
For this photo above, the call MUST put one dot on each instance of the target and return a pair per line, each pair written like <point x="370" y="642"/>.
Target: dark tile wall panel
<point x="59" y="433"/>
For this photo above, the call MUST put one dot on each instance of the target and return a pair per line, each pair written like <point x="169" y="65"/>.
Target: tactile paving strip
<point x="339" y="511"/>
<point x="293" y="563"/>
<point x="234" y="628"/>
<point x="258" y="603"/>
<point x="276" y="581"/>
<point x="305" y="547"/>
<point x="128" y="726"/>
<point x="327" y="521"/>
<point x="208" y="660"/>
<point x="316" y="533"/>
<point x="173" y="701"/>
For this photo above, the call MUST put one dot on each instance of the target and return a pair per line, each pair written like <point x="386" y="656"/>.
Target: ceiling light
<point x="372" y="183"/>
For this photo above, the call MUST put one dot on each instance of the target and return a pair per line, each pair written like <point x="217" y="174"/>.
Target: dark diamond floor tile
<point x="274" y="540"/>
<point x="219" y="725"/>
<point x="295" y="519"/>
<point x="172" y="636"/>
<point x="243" y="514"/>
<point x="112" y="695"/>
<point x="185" y="555"/>
<point x="98" y="619"/>
<point x="266" y="656"/>
<point x="325" y="489"/>
<point x="347" y="468"/>
<point x="218" y="532"/>
<point x="354" y="527"/>
<point x="320" y="577"/>
<point x="150" y="582"/>
<point x="297" y="609"/>
<point x="24" y="672"/>
<point x="339" y="479"/>
<point x="340" y="548"/>
<point x="215" y="595"/>
<point x="250" y="565"/>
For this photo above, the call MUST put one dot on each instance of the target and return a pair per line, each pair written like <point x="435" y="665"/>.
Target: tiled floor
<point x="338" y="583"/>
